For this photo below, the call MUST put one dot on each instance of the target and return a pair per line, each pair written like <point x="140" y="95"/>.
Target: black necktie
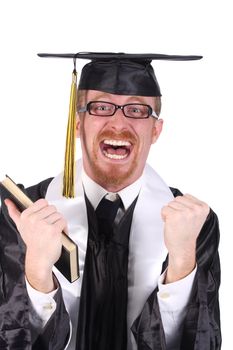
<point x="102" y="321"/>
<point x="107" y="214"/>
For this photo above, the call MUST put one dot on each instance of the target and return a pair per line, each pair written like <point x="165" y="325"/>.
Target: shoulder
<point x="39" y="190"/>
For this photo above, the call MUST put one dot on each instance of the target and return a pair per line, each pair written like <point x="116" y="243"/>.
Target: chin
<point x="114" y="175"/>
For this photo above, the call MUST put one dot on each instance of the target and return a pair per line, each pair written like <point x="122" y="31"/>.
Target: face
<point x="115" y="148"/>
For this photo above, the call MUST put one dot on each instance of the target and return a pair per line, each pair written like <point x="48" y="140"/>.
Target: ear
<point x="156" y="131"/>
<point x="77" y="125"/>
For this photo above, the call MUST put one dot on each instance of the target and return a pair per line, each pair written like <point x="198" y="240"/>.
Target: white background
<point x="193" y="152"/>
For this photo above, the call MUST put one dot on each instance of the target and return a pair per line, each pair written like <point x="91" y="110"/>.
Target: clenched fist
<point x="40" y="227"/>
<point x="183" y="219"/>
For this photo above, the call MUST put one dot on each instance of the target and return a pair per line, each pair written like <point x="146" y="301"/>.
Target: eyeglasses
<point x="108" y="109"/>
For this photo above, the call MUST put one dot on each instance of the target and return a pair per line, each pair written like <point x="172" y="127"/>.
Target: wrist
<point x="39" y="276"/>
<point x="179" y="267"/>
<point x="44" y="283"/>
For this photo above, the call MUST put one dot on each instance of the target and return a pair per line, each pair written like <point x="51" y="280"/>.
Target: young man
<point x="148" y="255"/>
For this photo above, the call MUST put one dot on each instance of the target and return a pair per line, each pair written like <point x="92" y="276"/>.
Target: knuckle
<point x="59" y="216"/>
<point x="60" y="223"/>
<point x="178" y="198"/>
<point x="206" y="208"/>
<point x="53" y="208"/>
<point x="63" y="222"/>
<point x="205" y="205"/>
<point x="24" y="215"/>
<point x="163" y="208"/>
<point x="42" y="202"/>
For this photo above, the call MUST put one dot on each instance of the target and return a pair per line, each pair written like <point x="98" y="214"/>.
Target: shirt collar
<point x="96" y="192"/>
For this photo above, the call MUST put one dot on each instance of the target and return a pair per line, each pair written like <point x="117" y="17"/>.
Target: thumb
<point x="13" y="211"/>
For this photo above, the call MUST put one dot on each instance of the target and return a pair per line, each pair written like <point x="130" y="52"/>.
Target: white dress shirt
<point x="172" y="298"/>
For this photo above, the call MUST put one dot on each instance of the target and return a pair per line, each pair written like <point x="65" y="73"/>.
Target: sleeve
<point x="55" y="334"/>
<point x="16" y="330"/>
<point x="173" y="300"/>
<point x="43" y="306"/>
<point x="201" y="325"/>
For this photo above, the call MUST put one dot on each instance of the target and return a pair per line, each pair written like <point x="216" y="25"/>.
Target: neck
<point x="110" y="187"/>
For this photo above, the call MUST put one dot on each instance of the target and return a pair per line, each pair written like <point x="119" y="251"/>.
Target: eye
<point x="136" y="111"/>
<point x="101" y="108"/>
<point x="133" y="110"/>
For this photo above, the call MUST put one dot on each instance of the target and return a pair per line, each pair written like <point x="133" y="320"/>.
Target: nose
<point x="118" y="121"/>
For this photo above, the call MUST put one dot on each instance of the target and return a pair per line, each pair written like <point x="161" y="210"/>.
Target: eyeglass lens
<point x="105" y="109"/>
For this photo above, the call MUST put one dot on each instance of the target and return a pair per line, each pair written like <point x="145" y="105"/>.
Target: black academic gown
<point x="201" y="329"/>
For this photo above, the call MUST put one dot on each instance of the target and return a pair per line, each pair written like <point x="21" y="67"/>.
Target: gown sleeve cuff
<point x="174" y="296"/>
<point x="43" y="304"/>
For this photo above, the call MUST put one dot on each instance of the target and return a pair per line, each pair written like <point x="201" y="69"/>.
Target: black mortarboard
<point x="115" y="73"/>
<point x="120" y="73"/>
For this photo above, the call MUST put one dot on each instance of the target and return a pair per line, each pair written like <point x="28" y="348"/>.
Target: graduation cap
<point x="114" y="73"/>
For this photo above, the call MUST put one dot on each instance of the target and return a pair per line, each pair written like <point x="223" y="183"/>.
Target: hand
<point x="40" y="227"/>
<point x="183" y="219"/>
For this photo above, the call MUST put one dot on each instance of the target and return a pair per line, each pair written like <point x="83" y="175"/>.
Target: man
<point x="149" y="265"/>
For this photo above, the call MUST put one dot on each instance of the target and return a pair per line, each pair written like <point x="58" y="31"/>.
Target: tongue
<point x="121" y="151"/>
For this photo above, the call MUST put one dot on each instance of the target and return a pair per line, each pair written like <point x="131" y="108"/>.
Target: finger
<point x="202" y="206"/>
<point x="53" y="218"/>
<point x="188" y="198"/>
<point x="60" y="225"/>
<point x="194" y="199"/>
<point x="45" y="212"/>
<point x="191" y="197"/>
<point x="177" y="205"/>
<point x="37" y="206"/>
<point x="166" y="211"/>
<point x="186" y="201"/>
<point x="193" y="203"/>
<point x="13" y="211"/>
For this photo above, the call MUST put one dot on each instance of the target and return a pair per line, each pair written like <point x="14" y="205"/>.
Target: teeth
<point x="114" y="156"/>
<point x="117" y="143"/>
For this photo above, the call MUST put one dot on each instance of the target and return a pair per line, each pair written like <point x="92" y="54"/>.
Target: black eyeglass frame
<point x="151" y="112"/>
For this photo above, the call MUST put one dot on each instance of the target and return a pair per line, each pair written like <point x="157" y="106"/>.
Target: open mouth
<point x="116" y="149"/>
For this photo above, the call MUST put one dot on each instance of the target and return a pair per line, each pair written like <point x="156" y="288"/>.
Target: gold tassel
<point x="69" y="168"/>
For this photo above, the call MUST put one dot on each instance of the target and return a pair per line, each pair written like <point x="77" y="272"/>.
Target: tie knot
<point x="107" y="209"/>
<point x="112" y="196"/>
